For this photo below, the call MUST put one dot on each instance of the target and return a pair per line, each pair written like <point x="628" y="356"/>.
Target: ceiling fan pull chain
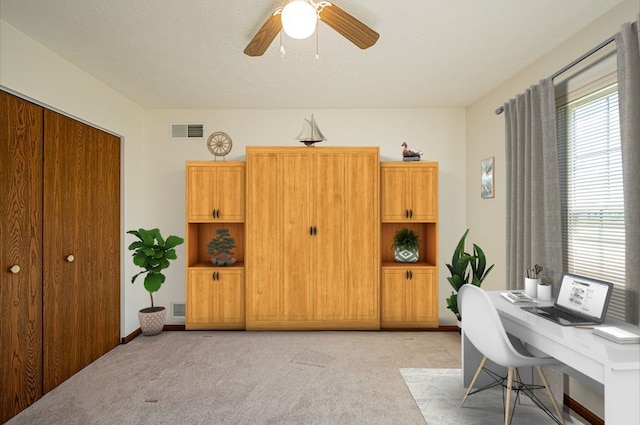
<point x="317" y="36"/>
<point x="282" y="51"/>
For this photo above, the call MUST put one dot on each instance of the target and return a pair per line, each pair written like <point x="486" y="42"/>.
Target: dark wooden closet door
<point x="21" y="246"/>
<point x="81" y="246"/>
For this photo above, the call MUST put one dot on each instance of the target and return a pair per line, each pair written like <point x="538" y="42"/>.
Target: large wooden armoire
<point x="312" y="237"/>
<point x="59" y="249"/>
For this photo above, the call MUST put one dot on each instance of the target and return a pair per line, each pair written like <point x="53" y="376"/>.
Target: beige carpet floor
<point x="250" y="378"/>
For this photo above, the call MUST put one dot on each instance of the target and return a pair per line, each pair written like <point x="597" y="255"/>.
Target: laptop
<point x="581" y="301"/>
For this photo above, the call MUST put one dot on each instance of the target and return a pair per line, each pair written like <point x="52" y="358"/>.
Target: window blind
<point x="590" y="167"/>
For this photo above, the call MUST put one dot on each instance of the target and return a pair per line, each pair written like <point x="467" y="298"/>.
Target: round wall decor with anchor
<point x="219" y="144"/>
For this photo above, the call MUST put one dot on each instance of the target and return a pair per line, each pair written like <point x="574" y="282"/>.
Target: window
<point x="590" y="167"/>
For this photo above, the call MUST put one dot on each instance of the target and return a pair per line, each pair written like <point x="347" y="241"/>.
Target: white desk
<point x="613" y="367"/>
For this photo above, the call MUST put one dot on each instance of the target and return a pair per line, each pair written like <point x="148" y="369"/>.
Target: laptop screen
<point x="584" y="296"/>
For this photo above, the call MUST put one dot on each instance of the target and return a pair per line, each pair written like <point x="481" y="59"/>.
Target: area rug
<point x="438" y="393"/>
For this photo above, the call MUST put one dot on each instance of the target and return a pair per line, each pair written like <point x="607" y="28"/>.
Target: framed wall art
<point x="486" y="173"/>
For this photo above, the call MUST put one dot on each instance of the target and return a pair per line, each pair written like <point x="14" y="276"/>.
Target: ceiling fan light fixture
<point x="299" y="19"/>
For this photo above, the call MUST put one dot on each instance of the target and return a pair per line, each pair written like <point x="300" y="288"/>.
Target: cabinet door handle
<point x="311" y="230"/>
<point x="315" y="230"/>
<point x="410" y="275"/>
<point x="217" y="213"/>
<point x="15" y="269"/>
<point x="406" y="213"/>
<point x="410" y="213"/>
<point x="213" y="213"/>
<point x="216" y="276"/>
<point x="406" y="275"/>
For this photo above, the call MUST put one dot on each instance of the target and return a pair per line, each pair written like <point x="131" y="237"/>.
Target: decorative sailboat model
<point x="310" y="133"/>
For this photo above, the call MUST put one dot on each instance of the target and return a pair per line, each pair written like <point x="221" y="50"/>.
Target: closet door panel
<point x="81" y="248"/>
<point x="102" y="230"/>
<point x="64" y="296"/>
<point x="297" y="238"/>
<point x="362" y="221"/>
<point x="20" y="245"/>
<point x="329" y="255"/>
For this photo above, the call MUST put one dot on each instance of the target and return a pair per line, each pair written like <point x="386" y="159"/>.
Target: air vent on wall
<point x="187" y="131"/>
<point x="177" y="310"/>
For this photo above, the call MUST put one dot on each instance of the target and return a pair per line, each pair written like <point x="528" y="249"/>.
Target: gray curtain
<point x="628" y="47"/>
<point x="534" y="232"/>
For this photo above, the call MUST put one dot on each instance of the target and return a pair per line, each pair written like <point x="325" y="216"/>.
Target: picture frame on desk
<point x="486" y="178"/>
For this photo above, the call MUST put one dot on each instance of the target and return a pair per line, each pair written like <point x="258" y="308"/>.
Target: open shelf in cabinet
<point x="199" y="235"/>
<point x="428" y="240"/>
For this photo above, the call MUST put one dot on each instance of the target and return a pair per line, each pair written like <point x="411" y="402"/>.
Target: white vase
<point x="531" y="287"/>
<point x="545" y="292"/>
<point x="406" y="255"/>
<point x="152" y="322"/>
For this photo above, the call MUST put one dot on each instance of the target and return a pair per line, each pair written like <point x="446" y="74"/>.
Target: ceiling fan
<point x="345" y="24"/>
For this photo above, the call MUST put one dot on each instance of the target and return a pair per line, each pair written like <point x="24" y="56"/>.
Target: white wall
<point x="485" y="138"/>
<point x="30" y="70"/>
<point x="438" y="133"/>
<point x="153" y="164"/>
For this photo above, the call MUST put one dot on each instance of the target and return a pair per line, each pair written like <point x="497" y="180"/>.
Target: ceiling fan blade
<point x="265" y="35"/>
<point x="349" y="27"/>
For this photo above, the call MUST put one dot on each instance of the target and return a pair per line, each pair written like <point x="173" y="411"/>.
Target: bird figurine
<point x="407" y="153"/>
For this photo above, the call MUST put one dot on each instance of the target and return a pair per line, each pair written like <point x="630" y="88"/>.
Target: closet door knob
<point x="70" y="258"/>
<point x="15" y="269"/>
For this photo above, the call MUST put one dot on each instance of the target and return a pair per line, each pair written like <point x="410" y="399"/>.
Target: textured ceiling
<point x="188" y="53"/>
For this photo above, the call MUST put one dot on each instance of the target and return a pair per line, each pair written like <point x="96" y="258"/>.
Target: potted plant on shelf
<point x="152" y="252"/>
<point x="406" y="244"/>
<point x="465" y="269"/>
<point x="220" y="248"/>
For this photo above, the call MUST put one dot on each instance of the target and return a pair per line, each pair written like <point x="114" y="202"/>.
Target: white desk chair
<point x="481" y="324"/>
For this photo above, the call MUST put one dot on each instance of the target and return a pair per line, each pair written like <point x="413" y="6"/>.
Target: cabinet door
<point x="409" y="297"/>
<point x="215" y="299"/>
<point x="395" y="193"/>
<point x="422" y="297"/>
<point x="362" y="238"/>
<point x="230" y="189"/>
<point x="263" y="237"/>
<point x="394" y="294"/>
<point x="21" y="157"/>
<point x="225" y="203"/>
<point x="81" y="246"/>
<point x="409" y="192"/>
<point x="329" y="255"/>
<point x="424" y="193"/>
<point x="296" y="256"/>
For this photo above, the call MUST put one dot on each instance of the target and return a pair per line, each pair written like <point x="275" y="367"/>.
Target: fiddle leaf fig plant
<point x="465" y="269"/>
<point x="152" y="253"/>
